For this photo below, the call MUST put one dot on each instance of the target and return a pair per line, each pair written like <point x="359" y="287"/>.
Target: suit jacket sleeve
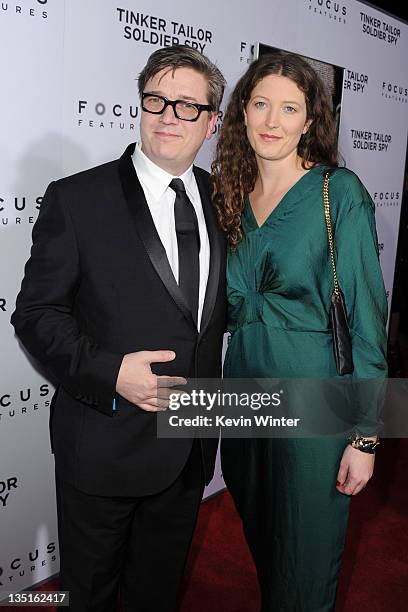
<point x="44" y="318"/>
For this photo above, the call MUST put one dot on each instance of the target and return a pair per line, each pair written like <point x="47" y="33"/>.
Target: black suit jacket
<point x="98" y="285"/>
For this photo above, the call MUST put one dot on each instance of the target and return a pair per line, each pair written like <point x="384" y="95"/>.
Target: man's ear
<point x="211" y="124"/>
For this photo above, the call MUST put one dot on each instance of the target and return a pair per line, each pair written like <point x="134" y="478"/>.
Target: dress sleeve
<point x="360" y="278"/>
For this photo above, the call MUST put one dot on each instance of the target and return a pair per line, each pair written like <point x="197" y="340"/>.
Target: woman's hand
<point x="356" y="469"/>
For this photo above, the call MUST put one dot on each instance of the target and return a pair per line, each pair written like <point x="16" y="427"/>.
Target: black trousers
<point x="135" y="545"/>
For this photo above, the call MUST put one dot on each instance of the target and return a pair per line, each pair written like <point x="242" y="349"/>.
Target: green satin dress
<point x="279" y="289"/>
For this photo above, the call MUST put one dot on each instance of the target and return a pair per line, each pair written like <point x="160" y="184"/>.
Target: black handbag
<point x="342" y="347"/>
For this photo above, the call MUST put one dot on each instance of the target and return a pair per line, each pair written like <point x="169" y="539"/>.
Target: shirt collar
<point x="155" y="178"/>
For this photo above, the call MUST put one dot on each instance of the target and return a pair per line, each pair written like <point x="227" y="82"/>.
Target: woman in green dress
<point x="278" y="139"/>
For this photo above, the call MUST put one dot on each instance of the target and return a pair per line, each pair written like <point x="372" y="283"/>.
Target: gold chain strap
<point x="326" y="203"/>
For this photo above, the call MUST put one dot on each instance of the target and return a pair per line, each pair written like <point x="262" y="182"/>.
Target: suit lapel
<point x="146" y="229"/>
<point x="215" y="239"/>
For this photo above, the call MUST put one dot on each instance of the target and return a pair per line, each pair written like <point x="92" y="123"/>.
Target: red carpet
<point x="221" y="578"/>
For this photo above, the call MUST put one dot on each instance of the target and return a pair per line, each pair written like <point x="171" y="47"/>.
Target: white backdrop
<point x="69" y="101"/>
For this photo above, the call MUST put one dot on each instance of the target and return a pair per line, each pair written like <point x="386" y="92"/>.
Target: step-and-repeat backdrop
<point x="69" y="101"/>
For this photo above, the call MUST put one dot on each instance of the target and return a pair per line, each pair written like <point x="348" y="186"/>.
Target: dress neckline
<point x="291" y="194"/>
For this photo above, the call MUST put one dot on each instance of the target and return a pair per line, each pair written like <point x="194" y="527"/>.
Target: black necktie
<point x="188" y="241"/>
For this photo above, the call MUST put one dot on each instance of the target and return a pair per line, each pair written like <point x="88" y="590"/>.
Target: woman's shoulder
<point x="347" y="188"/>
<point x="345" y="177"/>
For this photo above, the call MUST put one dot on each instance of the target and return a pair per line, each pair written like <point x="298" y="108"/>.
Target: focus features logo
<point x="7" y="486"/>
<point x="26" y="8"/>
<point x="380" y="29"/>
<point x="101" y="115"/>
<point x="23" y="402"/>
<point x="247" y="51"/>
<point x="331" y="9"/>
<point x="370" y="141"/>
<point x="159" y="31"/>
<point x="19" y="210"/>
<point x="355" y="81"/>
<point x="387" y="199"/>
<point x="28" y="562"/>
<point x="393" y="91"/>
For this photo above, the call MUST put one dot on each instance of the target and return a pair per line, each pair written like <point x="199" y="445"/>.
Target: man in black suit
<point x="124" y="293"/>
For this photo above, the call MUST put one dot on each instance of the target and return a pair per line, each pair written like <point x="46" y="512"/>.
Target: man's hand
<point x="356" y="469"/>
<point x="137" y="383"/>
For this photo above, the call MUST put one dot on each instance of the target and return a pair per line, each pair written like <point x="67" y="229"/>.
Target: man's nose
<point x="168" y="115"/>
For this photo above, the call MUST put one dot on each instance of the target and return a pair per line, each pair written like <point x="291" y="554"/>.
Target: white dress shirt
<point x="160" y="200"/>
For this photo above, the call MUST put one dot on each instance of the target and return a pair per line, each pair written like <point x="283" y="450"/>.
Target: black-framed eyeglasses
<point x="183" y="109"/>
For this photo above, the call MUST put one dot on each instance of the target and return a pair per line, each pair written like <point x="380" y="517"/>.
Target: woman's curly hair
<point x="234" y="169"/>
